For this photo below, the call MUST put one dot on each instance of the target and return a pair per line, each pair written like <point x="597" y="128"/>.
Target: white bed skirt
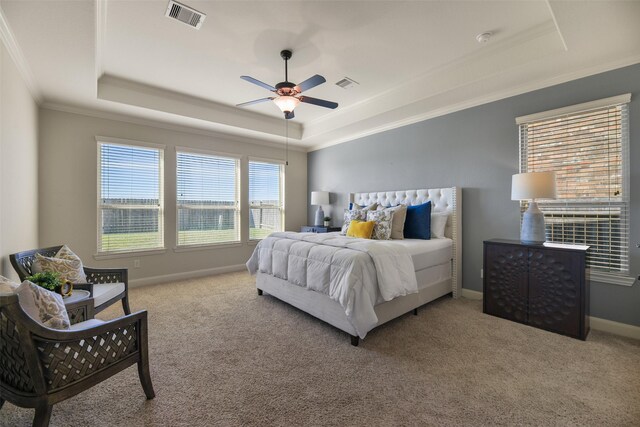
<point x="433" y="283"/>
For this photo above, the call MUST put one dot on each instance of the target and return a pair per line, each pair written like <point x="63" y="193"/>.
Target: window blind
<point x="266" y="198"/>
<point x="589" y="151"/>
<point x="131" y="200"/>
<point x="207" y="199"/>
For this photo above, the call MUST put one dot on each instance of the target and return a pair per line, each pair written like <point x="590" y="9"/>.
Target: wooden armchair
<point x="105" y="284"/>
<point x="40" y="367"/>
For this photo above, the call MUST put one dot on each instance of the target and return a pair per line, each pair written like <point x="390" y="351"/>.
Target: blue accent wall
<point x="477" y="149"/>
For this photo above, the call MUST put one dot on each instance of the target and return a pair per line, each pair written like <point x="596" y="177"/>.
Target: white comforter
<point x="356" y="273"/>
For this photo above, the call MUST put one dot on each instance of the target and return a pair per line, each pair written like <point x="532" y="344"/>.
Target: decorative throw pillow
<point x="382" y="220"/>
<point x="65" y="262"/>
<point x="371" y="207"/>
<point x="7" y="286"/>
<point x="438" y="224"/>
<point x="397" y="222"/>
<point x="361" y="229"/>
<point x="418" y="222"/>
<point x="43" y="306"/>
<point x="350" y="215"/>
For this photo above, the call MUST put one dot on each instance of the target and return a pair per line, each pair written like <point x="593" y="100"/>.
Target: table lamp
<point x="532" y="186"/>
<point x="319" y="198"/>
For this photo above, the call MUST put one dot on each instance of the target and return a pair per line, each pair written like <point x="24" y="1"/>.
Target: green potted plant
<point x="52" y="281"/>
<point x="327" y="221"/>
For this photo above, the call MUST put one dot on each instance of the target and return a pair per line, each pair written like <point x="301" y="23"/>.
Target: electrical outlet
<point x="136" y="263"/>
<point x="482" y="273"/>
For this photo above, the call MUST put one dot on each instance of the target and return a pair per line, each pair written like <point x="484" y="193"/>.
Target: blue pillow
<point x="417" y="225"/>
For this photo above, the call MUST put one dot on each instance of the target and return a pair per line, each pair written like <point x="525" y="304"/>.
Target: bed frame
<point x="322" y="307"/>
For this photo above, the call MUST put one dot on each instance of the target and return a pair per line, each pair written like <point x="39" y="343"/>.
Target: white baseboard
<point x="471" y="294"/>
<point x="186" y="275"/>
<point x="596" y="323"/>
<point x="617" y="328"/>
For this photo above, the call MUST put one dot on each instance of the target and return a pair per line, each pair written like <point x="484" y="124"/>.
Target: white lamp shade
<point x="286" y="103"/>
<point x="533" y="185"/>
<point x="319" y="198"/>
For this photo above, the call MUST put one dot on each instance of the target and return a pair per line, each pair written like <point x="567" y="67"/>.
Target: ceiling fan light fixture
<point x="286" y="103"/>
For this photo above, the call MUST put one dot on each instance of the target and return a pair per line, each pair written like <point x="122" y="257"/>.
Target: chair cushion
<point x="86" y="324"/>
<point x="65" y="263"/>
<point x="103" y="292"/>
<point x="43" y="306"/>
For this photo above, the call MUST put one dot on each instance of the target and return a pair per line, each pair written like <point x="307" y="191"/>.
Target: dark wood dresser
<point x="545" y="286"/>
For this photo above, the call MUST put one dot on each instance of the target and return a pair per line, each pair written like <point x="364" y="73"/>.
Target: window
<point x="266" y="198"/>
<point x="130" y="207"/>
<point x="588" y="148"/>
<point x="207" y="199"/>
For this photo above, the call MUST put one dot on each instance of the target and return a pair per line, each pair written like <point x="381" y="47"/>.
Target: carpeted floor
<point x="222" y="355"/>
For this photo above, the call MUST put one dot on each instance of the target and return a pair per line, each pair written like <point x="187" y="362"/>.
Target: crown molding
<point x="494" y="96"/>
<point x="90" y="112"/>
<point x="101" y="35"/>
<point x="18" y="58"/>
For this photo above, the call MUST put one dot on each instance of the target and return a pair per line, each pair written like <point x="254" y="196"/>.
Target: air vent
<point x="185" y="14"/>
<point x="347" y="83"/>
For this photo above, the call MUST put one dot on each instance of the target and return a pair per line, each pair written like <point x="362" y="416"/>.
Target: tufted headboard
<point x="442" y="200"/>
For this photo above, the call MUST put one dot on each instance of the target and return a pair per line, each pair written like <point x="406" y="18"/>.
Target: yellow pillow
<point x="362" y="229"/>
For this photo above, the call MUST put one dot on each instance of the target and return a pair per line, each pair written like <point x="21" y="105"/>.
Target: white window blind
<point x="266" y="198"/>
<point x="207" y="199"/>
<point x="130" y="205"/>
<point x="589" y="151"/>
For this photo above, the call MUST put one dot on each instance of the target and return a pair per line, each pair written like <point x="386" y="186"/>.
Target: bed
<point x="436" y="265"/>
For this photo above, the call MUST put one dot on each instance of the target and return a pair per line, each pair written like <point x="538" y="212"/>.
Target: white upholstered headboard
<point x="442" y="200"/>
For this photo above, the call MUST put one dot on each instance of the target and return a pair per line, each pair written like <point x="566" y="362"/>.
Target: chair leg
<point x="259" y="291"/>
<point x="1" y="402"/>
<point x="145" y="379"/>
<point x="355" y="340"/>
<point x="43" y="415"/>
<point x="125" y="304"/>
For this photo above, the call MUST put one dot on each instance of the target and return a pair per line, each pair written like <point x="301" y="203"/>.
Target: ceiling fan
<point x="289" y="94"/>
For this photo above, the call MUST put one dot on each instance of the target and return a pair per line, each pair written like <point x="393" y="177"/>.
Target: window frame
<point x="621" y="277"/>
<point x="238" y="196"/>
<point x="282" y="207"/>
<point x="100" y="254"/>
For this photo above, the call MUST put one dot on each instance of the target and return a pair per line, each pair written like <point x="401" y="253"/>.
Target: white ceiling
<point x="413" y="60"/>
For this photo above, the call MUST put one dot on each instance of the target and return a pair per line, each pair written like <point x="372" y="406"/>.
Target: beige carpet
<point x="222" y="355"/>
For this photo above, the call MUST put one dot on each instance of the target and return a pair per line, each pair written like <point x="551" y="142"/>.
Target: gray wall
<point x="18" y="164"/>
<point x="68" y="193"/>
<point x="477" y="149"/>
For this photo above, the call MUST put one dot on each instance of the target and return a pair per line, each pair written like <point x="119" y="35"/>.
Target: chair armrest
<point x="67" y="357"/>
<point x="107" y="275"/>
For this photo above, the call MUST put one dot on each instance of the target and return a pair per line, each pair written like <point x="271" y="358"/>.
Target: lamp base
<point x="319" y="216"/>
<point x="533" y="230"/>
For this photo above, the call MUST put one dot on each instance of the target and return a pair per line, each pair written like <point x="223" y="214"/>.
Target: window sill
<point x="207" y="247"/>
<point x="128" y="254"/>
<point x="611" y="279"/>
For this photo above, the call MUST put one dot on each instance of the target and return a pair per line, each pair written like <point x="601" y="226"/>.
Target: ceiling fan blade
<point x="258" y="82"/>
<point x="256" y="101"/>
<point x="310" y="83"/>
<point x="316" y="101"/>
<point x="289" y="115"/>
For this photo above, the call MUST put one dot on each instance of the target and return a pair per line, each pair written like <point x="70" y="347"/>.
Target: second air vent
<point x="185" y="14"/>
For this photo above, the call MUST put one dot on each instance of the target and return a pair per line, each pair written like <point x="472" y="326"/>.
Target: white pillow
<point x="65" y="262"/>
<point x="43" y="306"/>
<point x="438" y="224"/>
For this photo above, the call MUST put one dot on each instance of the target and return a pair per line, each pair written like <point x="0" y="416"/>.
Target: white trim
<point x="208" y="246"/>
<point x="101" y="36"/>
<point x="10" y="42"/>
<point x="127" y="254"/>
<point x="265" y="160"/>
<point x="616" y="328"/>
<point x="610" y="279"/>
<point x="585" y="106"/>
<point x="208" y="152"/>
<point x="471" y="294"/>
<point x="154" y="280"/>
<point x="122" y="141"/>
<point x="555" y="22"/>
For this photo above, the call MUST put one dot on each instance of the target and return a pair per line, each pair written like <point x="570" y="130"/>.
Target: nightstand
<point x="541" y="285"/>
<point x="318" y="229"/>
